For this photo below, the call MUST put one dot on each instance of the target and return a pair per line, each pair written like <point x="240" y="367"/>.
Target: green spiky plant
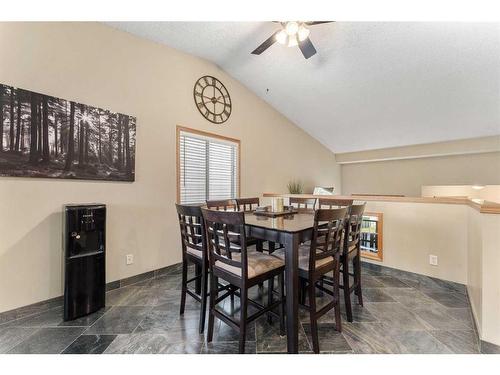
<point x="295" y="187"/>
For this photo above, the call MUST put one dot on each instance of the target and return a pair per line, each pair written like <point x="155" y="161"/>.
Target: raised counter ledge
<point x="485" y="207"/>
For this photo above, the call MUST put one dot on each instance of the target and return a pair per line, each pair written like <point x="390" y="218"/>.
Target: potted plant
<point x="295" y="187"/>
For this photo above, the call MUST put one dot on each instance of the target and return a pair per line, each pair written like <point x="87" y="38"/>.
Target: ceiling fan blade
<point x="307" y="48"/>
<point x="312" y="23"/>
<point x="266" y="44"/>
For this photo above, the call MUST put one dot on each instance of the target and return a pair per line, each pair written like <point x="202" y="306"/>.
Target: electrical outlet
<point x="433" y="260"/>
<point x="130" y="259"/>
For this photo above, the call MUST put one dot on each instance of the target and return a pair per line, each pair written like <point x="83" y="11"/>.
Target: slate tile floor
<point x="403" y="313"/>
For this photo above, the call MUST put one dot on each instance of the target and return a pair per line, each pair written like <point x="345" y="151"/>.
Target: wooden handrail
<point x="482" y="206"/>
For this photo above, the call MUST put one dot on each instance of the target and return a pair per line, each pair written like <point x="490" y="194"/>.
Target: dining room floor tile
<point x="402" y="313"/>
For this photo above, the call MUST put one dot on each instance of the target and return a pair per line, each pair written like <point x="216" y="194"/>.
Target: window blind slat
<point x="208" y="168"/>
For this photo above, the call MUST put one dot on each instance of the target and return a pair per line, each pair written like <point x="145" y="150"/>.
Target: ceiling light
<point x="292" y="41"/>
<point x="292" y="27"/>
<point x="281" y="37"/>
<point x="303" y="33"/>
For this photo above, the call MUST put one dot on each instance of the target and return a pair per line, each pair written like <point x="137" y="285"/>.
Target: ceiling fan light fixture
<point x="281" y="37"/>
<point x="292" y="28"/>
<point x="303" y="33"/>
<point x="292" y="41"/>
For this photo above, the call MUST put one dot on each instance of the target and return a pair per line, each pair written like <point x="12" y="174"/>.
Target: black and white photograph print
<point x="44" y="136"/>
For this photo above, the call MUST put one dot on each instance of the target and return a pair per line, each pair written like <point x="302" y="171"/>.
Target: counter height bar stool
<point x="334" y="203"/>
<point x="230" y="261"/>
<point x="303" y="204"/>
<point x="317" y="259"/>
<point x="194" y="250"/>
<point x="249" y="205"/>
<point x="351" y="252"/>
<point x="222" y="205"/>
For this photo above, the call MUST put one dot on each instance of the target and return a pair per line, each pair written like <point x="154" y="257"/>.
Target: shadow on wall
<point x="40" y="249"/>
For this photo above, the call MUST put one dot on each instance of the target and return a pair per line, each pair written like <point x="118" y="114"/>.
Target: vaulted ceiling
<point x="370" y="86"/>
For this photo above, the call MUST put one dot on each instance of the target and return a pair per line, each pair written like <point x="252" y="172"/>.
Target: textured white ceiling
<point x="371" y="85"/>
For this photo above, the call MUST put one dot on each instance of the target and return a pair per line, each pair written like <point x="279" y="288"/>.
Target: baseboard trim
<point x="52" y="303"/>
<point x="489" y="348"/>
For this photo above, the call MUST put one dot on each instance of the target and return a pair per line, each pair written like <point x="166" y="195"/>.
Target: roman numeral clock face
<point x="212" y="99"/>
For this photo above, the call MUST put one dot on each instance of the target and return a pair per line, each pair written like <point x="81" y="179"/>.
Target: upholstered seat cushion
<point x="258" y="263"/>
<point x="304" y="257"/>
<point x="196" y="253"/>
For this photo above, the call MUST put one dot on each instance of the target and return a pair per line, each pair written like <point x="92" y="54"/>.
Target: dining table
<point x="289" y="231"/>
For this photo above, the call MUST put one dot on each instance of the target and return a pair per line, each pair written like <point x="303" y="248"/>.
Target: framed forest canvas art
<point x="44" y="136"/>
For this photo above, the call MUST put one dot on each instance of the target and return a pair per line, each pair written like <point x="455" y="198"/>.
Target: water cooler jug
<point x="84" y="259"/>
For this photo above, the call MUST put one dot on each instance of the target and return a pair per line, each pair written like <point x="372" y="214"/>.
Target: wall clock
<point x="212" y="99"/>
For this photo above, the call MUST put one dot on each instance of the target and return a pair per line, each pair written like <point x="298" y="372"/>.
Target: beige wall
<point x="96" y="65"/>
<point x="413" y="231"/>
<point x="483" y="274"/>
<point x="406" y="176"/>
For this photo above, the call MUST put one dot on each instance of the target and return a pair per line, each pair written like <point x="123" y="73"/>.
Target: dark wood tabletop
<point x="289" y="223"/>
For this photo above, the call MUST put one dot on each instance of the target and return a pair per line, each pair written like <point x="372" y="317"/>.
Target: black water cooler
<point x="85" y="259"/>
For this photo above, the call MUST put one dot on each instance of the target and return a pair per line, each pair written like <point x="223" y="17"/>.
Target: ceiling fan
<point x="292" y="33"/>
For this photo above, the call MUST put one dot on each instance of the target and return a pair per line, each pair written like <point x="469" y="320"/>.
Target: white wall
<point x="413" y="231"/>
<point x="97" y="65"/>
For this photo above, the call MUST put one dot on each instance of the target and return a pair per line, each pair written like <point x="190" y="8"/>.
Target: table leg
<point x="292" y="287"/>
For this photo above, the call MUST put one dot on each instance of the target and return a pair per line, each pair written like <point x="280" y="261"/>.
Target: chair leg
<point x="281" y="286"/>
<point x="303" y="291"/>
<point x="214" y="284"/>
<point x="243" y="318"/>
<point x="312" y="315"/>
<point x="347" y="292"/>
<point x="184" y="286"/>
<point x="259" y="246"/>
<point x="336" y="297"/>
<point x="357" y="267"/>
<point x="270" y="289"/>
<point x="197" y="283"/>
<point x="203" y="308"/>
<point x="272" y="247"/>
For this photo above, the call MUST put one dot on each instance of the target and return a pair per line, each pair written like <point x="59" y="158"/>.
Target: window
<point x="207" y="166"/>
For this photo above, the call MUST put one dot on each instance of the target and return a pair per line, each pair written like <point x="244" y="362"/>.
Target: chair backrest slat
<point x="327" y="235"/>
<point x="225" y="231"/>
<point x="334" y="203"/>
<point x="247" y="204"/>
<point x="192" y="228"/>
<point x="353" y="226"/>
<point x="303" y="203"/>
<point x="222" y="205"/>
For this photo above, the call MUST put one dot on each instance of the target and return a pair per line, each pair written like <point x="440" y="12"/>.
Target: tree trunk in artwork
<point x="22" y="136"/>
<point x="81" y="138"/>
<point x="86" y="142"/>
<point x="45" y="131"/>
<point x="81" y="145"/>
<point x="39" y="120"/>
<point x="55" y="135"/>
<point x="34" y="129"/>
<point x="110" y="139"/>
<point x="119" y="141"/>
<point x="18" y="125"/>
<point x="128" y="161"/>
<point x="11" y="130"/>
<point x="99" y="144"/>
<point x="1" y="117"/>
<point x="71" y="139"/>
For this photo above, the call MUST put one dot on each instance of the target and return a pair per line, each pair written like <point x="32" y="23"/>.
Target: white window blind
<point x="208" y="168"/>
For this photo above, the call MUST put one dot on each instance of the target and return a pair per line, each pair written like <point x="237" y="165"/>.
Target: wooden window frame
<point x="185" y="129"/>
<point x="380" y="242"/>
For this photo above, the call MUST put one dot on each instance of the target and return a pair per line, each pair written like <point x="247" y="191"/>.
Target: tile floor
<point x="403" y="313"/>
